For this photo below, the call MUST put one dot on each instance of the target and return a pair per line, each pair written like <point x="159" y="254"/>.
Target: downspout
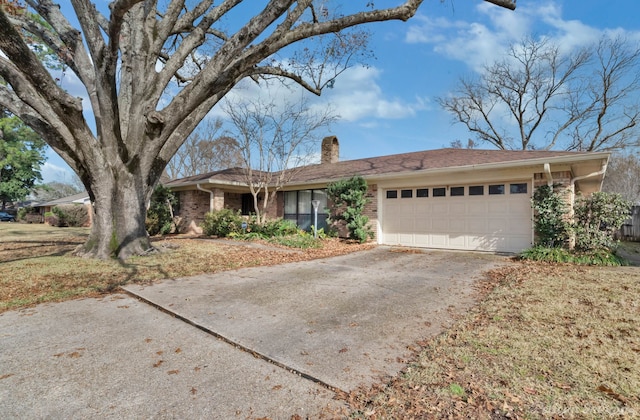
<point x="210" y="197"/>
<point x="572" y="191"/>
<point x="547" y="174"/>
<point x="602" y="170"/>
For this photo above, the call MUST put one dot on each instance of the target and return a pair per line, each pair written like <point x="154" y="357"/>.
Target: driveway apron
<point x="342" y="321"/>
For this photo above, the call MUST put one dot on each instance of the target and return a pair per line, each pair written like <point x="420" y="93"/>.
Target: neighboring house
<point x="448" y="198"/>
<point x="80" y="198"/>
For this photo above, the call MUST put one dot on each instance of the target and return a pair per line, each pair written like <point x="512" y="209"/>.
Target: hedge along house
<point x="463" y="199"/>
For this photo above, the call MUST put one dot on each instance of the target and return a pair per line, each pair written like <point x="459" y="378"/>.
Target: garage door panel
<point x="487" y="222"/>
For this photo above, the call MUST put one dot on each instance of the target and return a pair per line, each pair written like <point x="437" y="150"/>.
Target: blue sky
<point x="390" y="106"/>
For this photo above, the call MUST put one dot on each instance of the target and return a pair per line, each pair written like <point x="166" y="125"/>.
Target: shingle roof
<point x="391" y="164"/>
<point x="83" y="196"/>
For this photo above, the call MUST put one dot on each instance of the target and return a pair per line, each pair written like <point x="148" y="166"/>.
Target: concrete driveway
<point x="261" y="342"/>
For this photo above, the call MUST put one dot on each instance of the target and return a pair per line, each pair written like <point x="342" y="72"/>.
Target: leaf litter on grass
<point x="545" y="341"/>
<point x="34" y="274"/>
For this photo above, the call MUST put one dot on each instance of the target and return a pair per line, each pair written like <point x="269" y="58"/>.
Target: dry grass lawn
<point x="544" y="341"/>
<point x="37" y="265"/>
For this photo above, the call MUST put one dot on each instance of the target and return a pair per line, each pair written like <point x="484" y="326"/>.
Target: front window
<point x="298" y="207"/>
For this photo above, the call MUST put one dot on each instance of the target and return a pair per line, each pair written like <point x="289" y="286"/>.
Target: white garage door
<point x="487" y="217"/>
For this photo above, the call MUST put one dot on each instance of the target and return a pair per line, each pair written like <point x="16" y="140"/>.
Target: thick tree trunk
<point x="120" y="208"/>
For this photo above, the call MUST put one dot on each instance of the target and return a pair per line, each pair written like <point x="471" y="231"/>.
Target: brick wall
<point x="194" y="204"/>
<point x="371" y="208"/>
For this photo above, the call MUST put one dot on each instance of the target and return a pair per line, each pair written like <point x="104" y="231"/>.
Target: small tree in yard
<point x="275" y="141"/>
<point x="349" y="199"/>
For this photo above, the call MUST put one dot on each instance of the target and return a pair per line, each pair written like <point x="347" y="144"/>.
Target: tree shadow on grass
<point x="40" y="249"/>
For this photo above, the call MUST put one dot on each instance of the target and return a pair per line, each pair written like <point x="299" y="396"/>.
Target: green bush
<point x="551" y="225"/>
<point x="222" y="223"/>
<point x="163" y="204"/>
<point x="349" y="200"/>
<point x="597" y="219"/>
<point x="302" y="240"/>
<point x="562" y="255"/>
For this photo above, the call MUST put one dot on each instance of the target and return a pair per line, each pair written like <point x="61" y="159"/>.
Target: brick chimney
<point x="330" y="151"/>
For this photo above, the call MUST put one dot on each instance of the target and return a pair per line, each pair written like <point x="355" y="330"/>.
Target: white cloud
<point x="477" y="44"/>
<point x="355" y="96"/>
<point x="358" y="96"/>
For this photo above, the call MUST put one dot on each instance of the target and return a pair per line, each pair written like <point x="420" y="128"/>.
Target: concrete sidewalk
<point x="120" y="358"/>
<point x="338" y="322"/>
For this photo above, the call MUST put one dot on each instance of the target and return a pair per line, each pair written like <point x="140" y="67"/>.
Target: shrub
<point x="162" y="206"/>
<point x="302" y="239"/>
<point x="561" y="255"/>
<point x="52" y="219"/>
<point x="22" y="213"/>
<point x="598" y="218"/>
<point x="73" y="215"/>
<point x="349" y="199"/>
<point x="222" y="223"/>
<point x="550" y="224"/>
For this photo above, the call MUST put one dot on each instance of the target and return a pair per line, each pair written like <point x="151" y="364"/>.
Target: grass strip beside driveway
<point x="549" y="341"/>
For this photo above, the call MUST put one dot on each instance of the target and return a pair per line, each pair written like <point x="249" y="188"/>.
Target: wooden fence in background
<point x="630" y="231"/>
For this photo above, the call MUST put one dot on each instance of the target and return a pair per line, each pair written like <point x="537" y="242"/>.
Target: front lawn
<point x="37" y="265"/>
<point x="544" y="341"/>
<point x="549" y="341"/>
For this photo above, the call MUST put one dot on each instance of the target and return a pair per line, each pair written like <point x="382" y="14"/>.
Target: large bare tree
<point x="152" y="70"/>
<point x="207" y="149"/>
<point x="541" y="98"/>
<point x="276" y="139"/>
<point x="623" y="176"/>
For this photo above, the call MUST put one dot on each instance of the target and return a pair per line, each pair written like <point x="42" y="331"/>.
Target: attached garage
<point x="480" y="216"/>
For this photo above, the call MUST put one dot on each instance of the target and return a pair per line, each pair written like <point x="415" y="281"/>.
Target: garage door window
<point x="476" y="190"/>
<point x="406" y="193"/>
<point x="392" y="193"/>
<point x="457" y="191"/>
<point x="422" y="192"/>
<point x="518" y="188"/>
<point x="496" y="189"/>
<point x="439" y="192"/>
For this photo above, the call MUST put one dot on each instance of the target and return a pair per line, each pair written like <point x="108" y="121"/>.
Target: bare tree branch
<point x="582" y="101"/>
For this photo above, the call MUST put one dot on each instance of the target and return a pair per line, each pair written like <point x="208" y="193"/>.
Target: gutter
<point x="210" y="196"/>
<point x="562" y="159"/>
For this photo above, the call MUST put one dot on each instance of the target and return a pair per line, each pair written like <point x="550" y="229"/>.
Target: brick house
<point x="464" y="199"/>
